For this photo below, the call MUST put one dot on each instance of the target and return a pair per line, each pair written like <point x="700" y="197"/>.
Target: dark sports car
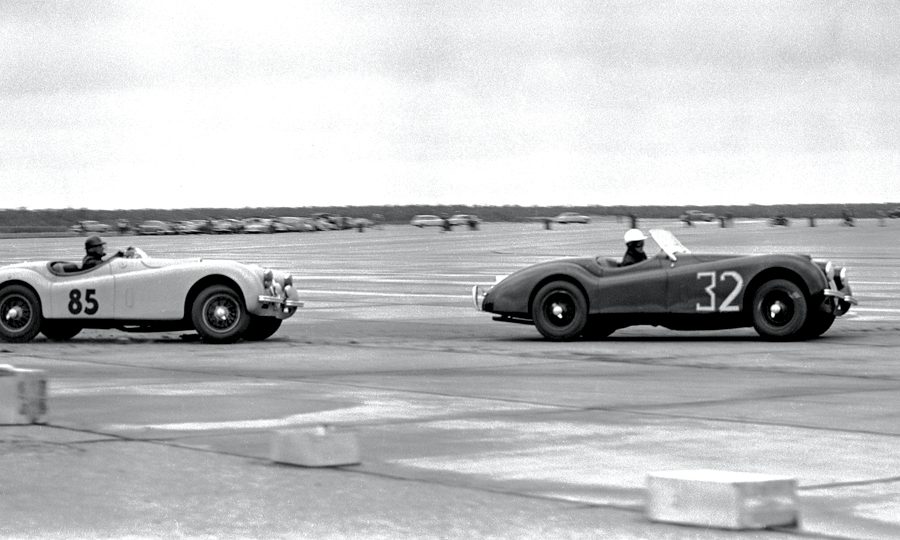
<point x="784" y="297"/>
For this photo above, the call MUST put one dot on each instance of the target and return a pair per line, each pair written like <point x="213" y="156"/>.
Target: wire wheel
<point x="20" y="314"/>
<point x="219" y="315"/>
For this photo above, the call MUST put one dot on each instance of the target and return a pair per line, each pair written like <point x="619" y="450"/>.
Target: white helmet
<point x="634" y="235"/>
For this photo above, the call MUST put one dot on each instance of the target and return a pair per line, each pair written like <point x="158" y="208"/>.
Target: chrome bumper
<point x="844" y="300"/>
<point x="839" y="289"/>
<point x="281" y="305"/>
<point x="478" y="294"/>
<point x="279" y="301"/>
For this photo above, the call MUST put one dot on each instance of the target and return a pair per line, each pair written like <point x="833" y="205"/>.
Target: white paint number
<point x="710" y="289"/>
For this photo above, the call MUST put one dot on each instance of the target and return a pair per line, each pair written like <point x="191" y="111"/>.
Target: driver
<point x="94" y="247"/>
<point x="95" y="252"/>
<point x="634" y="242"/>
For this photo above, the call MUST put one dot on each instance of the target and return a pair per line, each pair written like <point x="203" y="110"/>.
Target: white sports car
<point x="223" y="300"/>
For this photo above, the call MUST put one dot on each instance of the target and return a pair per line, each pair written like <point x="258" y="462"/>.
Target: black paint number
<point x="75" y="305"/>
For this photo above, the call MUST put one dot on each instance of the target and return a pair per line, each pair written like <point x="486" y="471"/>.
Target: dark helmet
<point x="93" y="241"/>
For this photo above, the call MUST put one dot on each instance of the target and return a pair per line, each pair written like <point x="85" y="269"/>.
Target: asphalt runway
<point x="467" y="427"/>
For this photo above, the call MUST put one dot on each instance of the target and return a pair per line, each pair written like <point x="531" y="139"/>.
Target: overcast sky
<point x="173" y="104"/>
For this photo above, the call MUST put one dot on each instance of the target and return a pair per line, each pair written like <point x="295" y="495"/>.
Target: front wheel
<point x="219" y="315"/>
<point x="559" y="311"/>
<point x="261" y="328"/>
<point x="819" y="324"/>
<point x="20" y="314"/>
<point x="780" y="310"/>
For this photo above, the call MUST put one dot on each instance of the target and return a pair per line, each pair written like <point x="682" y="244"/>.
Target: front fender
<point x="512" y="296"/>
<point x="811" y="277"/>
<point x="247" y="277"/>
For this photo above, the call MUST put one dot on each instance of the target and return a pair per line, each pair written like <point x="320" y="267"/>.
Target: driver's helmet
<point x="634" y="235"/>
<point x="93" y="241"/>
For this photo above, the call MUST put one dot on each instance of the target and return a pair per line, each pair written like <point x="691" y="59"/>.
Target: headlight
<point x="288" y="280"/>
<point x="829" y="271"/>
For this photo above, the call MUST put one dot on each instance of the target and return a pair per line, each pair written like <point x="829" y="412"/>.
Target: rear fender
<point x="27" y="278"/>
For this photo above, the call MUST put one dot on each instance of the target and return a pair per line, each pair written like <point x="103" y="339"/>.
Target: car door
<point x="639" y="288"/>
<point x="142" y="292"/>
<point x="88" y="295"/>
<point x="701" y="284"/>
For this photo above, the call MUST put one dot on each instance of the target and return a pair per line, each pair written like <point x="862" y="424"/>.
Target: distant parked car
<point x="895" y="213"/>
<point x="571" y="217"/>
<point x="426" y="220"/>
<point x="292" y="224"/>
<point x="779" y="221"/>
<point x="361" y="223"/>
<point x="464" y="219"/>
<point x="696" y="215"/>
<point x="191" y="226"/>
<point x="257" y="226"/>
<point x="226" y="226"/>
<point x="155" y="226"/>
<point x="90" y="226"/>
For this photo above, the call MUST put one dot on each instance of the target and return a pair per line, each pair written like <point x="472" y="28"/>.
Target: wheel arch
<point x="31" y="287"/>
<point x="556" y="277"/>
<point x="767" y="275"/>
<point x="208" y="281"/>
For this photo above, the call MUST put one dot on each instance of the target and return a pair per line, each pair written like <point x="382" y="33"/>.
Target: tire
<point x="780" y="310"/>
<point x="261" y="328"/>
<point x="818" y="324"/>
<point x="219" y="315"/>
<point x="59" y="331"/>
<point x="559" y="311"/>
<point x="20" y="314"/>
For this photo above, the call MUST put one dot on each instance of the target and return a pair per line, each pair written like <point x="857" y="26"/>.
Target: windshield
<point x="668" y="243"/>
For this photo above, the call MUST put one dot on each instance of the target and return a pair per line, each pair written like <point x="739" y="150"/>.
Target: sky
<point x="187" y="103"/>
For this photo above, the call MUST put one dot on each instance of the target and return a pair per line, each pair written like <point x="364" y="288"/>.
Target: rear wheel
<point x="261" y="328"/>
<point x="20" y="314"/>
<point x="559" y="311"/>
<point x="780" y="310"/>
<point x="219" y="315"/>
<point x="59" y="331"/>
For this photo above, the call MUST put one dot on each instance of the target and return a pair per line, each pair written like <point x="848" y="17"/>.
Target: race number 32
<point x="726" y="304"/>
<point x="89" y="306"/>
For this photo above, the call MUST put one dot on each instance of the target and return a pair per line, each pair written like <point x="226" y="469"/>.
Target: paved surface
<point x="468" y="428"/>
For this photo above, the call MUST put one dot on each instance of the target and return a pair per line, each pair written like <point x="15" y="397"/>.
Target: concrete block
<point x="23" y="395"/>
<point x="315" y="447"/>
<point x="722" y="499"/>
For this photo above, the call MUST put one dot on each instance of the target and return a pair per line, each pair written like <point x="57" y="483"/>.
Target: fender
<point x="812" y="278"/>
<point x="27" y="275"/>
<point x="520" y="286"/>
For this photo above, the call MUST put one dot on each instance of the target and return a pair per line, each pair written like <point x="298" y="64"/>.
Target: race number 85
<point x="711" y="290"/>
<point x="89" y="305"/>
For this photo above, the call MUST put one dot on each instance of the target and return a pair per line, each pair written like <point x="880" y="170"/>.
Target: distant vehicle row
<point x="429" y="220"/>
<point x="320" y="222"/>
